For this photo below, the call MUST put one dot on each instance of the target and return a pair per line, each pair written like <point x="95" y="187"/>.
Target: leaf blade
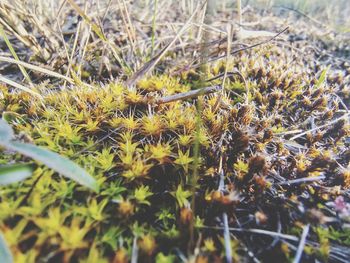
<point x="5" y="254"/>
<point x="6" y="132"/>
<point x="15" y="173"/>
<point x="322" y="77"/>
<point x="56" y="162"/>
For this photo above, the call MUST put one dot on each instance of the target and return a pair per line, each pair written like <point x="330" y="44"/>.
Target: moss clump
<point x="142" y="155"/>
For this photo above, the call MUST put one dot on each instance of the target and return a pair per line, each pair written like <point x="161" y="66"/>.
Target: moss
<point x="142" y="156"/>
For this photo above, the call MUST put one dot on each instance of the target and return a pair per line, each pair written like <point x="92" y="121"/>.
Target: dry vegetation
<point x="208" y="142"/>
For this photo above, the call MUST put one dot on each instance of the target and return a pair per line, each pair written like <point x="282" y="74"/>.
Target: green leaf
<point x="322" y="77"/>
<point x="54" y="161"/>
<point x="15" y="173"/>
<point x="5" y="254"/>
<point x="11" y="117"/>
<point x="6" y="132"/>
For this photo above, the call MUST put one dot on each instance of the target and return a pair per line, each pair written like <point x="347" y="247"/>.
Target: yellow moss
<point x="159" y="152"/>
<point x="141" y="152"/>
<point x="152" y="125"/>
<point x="241" y="168"/>
<point x="346" y="177"/>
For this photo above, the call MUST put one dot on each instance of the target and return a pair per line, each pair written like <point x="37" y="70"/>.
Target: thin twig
<point x="134" y="252"/>
<point x="99" y="141"/>
<point x="14" y="54"/>
<point x="322" y="126"/>
<point x="231" y="73"/>
<point x="188" y="95"/>
<point x="244" y="48"/>
<point x="256" y="231"/>
<point x="71" y="57"/>
<point x="154" y="61"/>
<point x="19" y="86"/>
<point x="239" y="11"/>
<point x="36" y="68"/>
<point x="33" y="185"/>
<point x="302" y="180"/>
<point x="341" y="102"/>
<point x="227" y="238"/>
<point x="303" y="14"/>
<point x="301" y="244"/>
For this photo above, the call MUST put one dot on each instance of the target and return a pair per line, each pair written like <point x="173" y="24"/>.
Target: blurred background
<point x="53" y="33"/>
<point x="336" y="13"/>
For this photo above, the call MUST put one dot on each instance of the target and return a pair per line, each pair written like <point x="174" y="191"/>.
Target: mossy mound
<point x="279" y="141"/>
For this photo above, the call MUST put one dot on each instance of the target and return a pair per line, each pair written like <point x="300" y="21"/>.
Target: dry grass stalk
<point x="145" y="69"/>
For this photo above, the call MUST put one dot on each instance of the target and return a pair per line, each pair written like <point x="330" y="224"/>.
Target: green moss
<point x="142" y="156"/>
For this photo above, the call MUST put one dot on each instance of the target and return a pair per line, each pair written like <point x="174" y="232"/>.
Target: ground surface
<point x="258" y="170"/>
